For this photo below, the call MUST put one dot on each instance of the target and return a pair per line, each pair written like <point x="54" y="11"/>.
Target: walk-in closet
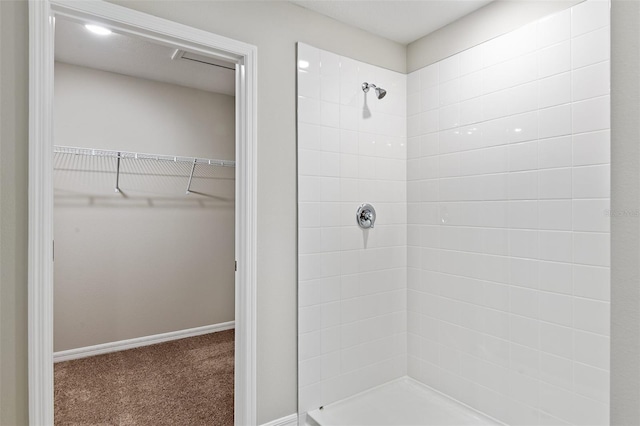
<point x="144" y="222"/>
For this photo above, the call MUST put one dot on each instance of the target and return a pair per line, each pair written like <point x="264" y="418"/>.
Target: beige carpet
<point x="184" y="382"/>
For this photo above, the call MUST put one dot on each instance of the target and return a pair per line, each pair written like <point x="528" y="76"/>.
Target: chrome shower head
<point x="380" y="92"/>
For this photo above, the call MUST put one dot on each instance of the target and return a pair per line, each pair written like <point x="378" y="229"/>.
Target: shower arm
<point x="380" y="92"/>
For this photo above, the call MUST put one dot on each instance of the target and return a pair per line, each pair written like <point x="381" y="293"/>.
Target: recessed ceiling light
<point x="97" y="29"/>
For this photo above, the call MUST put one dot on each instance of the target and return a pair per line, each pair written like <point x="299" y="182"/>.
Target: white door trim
<point x="42" y="15"/>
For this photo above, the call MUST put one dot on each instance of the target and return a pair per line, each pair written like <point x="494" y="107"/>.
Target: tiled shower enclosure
<point x="352" y="288"/>
<point x="486" y="276"/>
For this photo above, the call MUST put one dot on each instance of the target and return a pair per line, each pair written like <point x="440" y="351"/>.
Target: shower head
<point x="380" y="92"/>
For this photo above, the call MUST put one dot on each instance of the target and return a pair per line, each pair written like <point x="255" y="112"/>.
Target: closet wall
<point x="153" y="260"/>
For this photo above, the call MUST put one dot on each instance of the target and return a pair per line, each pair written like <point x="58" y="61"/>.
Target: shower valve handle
<point x="366" y="216"/>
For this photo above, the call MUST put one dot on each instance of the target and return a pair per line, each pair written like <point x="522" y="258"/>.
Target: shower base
<point x="401" y="402"/>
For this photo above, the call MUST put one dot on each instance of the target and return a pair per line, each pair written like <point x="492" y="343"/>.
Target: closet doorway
<point x="144" y="144"/>
<point x="144" y="228"/>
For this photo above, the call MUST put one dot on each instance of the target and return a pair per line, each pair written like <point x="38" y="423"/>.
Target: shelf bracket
<point x="118" y="174"/>
<point x="193" y="168"/>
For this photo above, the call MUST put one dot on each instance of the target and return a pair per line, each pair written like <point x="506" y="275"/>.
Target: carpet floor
<point x="184" y="382"/>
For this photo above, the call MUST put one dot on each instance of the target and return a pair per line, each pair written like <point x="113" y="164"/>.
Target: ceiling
<point x="137" y="57"/>
<point x="403" y="21"/>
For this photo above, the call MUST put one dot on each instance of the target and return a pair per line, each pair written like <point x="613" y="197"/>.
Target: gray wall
<point x="625" y="203"/>
<point x="274" y="28"/>
<point x="157" y="260"/>
<point x="13" y="212"/>
<point x="497" y="18"/>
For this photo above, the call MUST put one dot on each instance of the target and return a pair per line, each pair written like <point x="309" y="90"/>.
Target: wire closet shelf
<point x="126" y="155"/>
<point x="57" y="149"/>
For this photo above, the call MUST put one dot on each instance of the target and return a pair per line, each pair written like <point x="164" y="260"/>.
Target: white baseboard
<point x="137" y="342"/>
<point x="290" y="420"/>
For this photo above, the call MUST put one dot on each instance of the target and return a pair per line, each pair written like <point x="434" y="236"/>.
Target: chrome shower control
<point x="366" y="216"/>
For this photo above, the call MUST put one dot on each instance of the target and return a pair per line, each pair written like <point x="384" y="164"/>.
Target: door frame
<point x="42" y="15"/>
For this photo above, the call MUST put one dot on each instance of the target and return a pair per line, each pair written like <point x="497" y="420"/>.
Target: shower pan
<point x="481" y="293"/>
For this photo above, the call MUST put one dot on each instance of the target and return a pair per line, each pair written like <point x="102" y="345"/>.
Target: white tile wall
<point x="352" y="283"/>
<point x="508" y="248"/>
<point x="487" y="275"/>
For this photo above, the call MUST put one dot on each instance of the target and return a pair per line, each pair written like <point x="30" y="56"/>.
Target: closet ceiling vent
<point x="183" y="55"/>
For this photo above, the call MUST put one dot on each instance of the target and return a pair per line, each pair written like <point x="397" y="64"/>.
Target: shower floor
<point x="401" y="402"/>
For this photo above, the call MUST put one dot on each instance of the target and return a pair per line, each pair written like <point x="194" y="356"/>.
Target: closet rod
<point x="57" y="149"/>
